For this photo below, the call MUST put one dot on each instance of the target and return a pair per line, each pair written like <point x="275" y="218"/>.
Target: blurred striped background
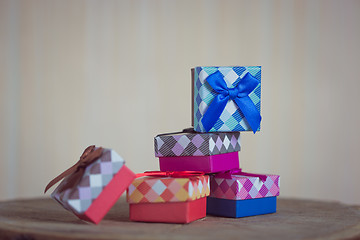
<point x="116" y="73"/>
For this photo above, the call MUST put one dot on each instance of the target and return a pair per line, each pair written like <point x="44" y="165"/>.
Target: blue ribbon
<point x="239" y="94"/>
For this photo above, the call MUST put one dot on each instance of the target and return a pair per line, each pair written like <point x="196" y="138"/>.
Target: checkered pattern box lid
<point x="96" y="176"/>
<point x="231" y="119"/>
<point x="244" y="187"/>
<point x="196" y="144"/>
<point x="167" y="189"/>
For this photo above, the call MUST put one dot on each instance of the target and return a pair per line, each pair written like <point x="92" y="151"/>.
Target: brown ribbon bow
<point x="89" y="156"/>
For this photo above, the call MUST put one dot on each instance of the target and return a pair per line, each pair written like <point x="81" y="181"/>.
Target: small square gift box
<point x="226" y="99"/>
<point x="168" y="197"/>
<point x="92" y="186"/>
<point x="192" y="151"/>
<point x="239" y="194"/>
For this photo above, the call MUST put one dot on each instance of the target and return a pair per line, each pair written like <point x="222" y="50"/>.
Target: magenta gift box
<point x="207" y="164"/>
<point x="192" y="151"/>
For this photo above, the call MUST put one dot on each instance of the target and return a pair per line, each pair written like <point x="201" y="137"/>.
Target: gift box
<point x="93" y="185"/>
<point x="171" y="197"/>
<point x="226" y="98"/>
<point x="238" y="194"/>
<point x="192" y="151"/>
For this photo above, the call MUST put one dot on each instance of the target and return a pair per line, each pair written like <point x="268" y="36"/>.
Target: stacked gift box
<point x="192" y="151"/>
<point x="236" y="193"/>
<point x="199" y="167"/>
<point x="228" y="99"/>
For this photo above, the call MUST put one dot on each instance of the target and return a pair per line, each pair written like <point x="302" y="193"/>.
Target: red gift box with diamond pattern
<point x="101" y="185"/>
<point x="168" y="199"/>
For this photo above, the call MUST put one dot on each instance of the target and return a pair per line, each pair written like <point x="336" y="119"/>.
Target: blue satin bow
<point x="239" y="94"/>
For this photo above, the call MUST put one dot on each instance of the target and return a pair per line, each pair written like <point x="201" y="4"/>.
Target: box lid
<point x="168" y="189"/>
<point x="241" y="187"/>
<point x="191" y="143"/>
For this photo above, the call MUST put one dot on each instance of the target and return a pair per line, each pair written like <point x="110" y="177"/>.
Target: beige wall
<point x="116" y="73"/>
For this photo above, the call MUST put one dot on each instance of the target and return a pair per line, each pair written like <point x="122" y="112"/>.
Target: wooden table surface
<point x="43" y="218"/>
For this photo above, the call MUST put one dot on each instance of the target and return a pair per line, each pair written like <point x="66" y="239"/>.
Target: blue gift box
<point x="237" y="194"/>
<point x="226" y="99"/>
<point x="240" y="208"/>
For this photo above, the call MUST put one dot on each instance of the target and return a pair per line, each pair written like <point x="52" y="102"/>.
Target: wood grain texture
<point x="295" y="219"/>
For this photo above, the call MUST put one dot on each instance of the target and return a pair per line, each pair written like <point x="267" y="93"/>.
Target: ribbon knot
<point x="89" y="155"/>
<point x="233" y="93"/>
<point x="82" y="165"/>
<point x="239" y="94"/>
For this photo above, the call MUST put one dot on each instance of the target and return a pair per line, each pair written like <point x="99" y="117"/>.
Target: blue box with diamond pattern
<point x="231" y="118"/>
